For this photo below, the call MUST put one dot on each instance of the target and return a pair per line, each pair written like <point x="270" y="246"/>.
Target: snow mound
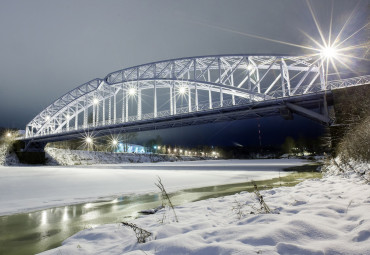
<point x="320" y="216"/>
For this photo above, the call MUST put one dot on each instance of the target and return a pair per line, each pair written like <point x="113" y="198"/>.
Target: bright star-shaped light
<point x="132" y="91"/>
<point x="114" y="142"/>
<point x="182" y="90"/>
<point x="89" y="140"/>
<point x="95" y="101"/>
<point x="329" y="52"/>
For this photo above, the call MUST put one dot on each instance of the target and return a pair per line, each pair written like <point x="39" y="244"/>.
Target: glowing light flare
<point x="182" y="90"/>
<point x="114" y="142"/>
<point x="329" y="52"/>
<point x="89" y="140"/>
<point x="95" y="101"/>
<point x="132" y="91"/>
<point x="8" y="134"/>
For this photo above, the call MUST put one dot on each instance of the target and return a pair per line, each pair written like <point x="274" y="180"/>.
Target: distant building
<point x="131" y="148"/>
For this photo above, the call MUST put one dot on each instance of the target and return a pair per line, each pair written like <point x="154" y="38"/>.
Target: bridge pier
<point x="31" y="152"/>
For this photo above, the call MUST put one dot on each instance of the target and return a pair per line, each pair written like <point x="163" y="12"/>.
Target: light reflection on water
<point x="30" y="233"/>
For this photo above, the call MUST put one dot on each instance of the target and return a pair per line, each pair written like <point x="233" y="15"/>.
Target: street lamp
<point x="8" y="134"/>
<point x="95" y="101"/>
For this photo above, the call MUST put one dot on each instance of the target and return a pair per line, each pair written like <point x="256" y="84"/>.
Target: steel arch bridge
<point x="189" y="91"/>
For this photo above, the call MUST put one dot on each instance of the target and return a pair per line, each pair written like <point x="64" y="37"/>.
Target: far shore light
<point x="89" y="140"/>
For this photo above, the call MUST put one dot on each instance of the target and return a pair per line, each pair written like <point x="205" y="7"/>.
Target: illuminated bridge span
<point x="189" y="91"/>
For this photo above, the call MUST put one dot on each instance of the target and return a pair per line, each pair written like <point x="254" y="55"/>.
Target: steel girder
<point x="241" y="78"/>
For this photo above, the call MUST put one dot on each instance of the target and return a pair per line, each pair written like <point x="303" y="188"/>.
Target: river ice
<point x="27" y="188"/>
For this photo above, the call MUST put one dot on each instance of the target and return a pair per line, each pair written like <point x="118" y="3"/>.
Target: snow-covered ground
<point x="26" y="188"/>
<point x="321" y="216"/>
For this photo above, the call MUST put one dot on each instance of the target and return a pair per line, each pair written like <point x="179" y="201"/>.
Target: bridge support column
<point x="103" y="102"/>
<point x="171" y="101"/>
<point x="155" y="100"/>
<point x="210" y="98"/>
<point x="139" y="104"/>
<point x="123" y="106"/>
<point x="196" y="98"/>
<point x="31" y="152"/>
<point x="85" y="114"/>
<point x="126" y="109"/>
<point x="97" y="114"/>
<point x="221" y="98"/>
<point x="114" y="107"/>
<point x="174" y="98"/>
<point x="189" y="98"/>
<point x="93" y="121"/>
<point x="68" y="119"/>
<point x="76" y="117"/>
<point x="110" y="110"/>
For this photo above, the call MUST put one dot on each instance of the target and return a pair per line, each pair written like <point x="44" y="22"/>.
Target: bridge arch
<point x="201" y="83"/>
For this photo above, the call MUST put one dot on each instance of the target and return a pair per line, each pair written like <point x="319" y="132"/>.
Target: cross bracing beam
<point x="233" y="79"/>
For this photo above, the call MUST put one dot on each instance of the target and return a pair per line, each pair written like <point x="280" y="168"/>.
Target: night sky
<point x="50" y="47"/>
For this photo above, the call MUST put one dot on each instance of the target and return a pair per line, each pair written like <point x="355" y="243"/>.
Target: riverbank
<point x="26" y="188"/>
<point x="319" y="216"/>
<point x="67" y="157"/>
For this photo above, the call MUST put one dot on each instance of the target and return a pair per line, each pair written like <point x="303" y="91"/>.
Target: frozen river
<point x="118" y="192"/>
<point x="27" y="188"/>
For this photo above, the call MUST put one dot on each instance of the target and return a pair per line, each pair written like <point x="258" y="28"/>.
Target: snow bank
<point x="79" y="157"/>
<point x="6" y="158"/>
<point x="338" y="166"/>
<point x="321" y="216"/>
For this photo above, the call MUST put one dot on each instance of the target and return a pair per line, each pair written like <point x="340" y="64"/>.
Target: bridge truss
<point x="182" y="87"/>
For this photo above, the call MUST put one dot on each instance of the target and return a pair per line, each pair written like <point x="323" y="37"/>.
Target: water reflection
<point x="44" y="217"/>
<point x="30" y="233"/>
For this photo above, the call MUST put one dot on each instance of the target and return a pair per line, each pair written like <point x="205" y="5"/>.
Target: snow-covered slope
<point x="79" y="157"/>
<point x="7" y="158"/>
<point x="321" y="216"/>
